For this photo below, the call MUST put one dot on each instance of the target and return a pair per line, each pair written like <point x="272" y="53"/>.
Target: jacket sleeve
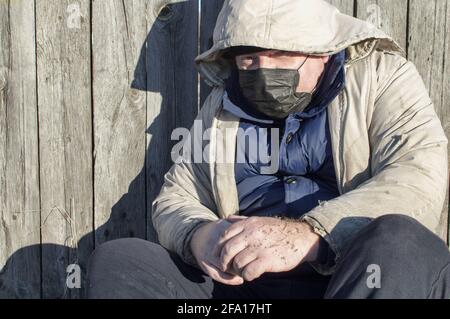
<point x="408" y="163"/>
<point x="185" y="201"/>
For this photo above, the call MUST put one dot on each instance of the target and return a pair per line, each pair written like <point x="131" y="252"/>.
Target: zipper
<point x="340" y="176"/>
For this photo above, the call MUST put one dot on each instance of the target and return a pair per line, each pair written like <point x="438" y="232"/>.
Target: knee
<point x="396" y="225"/>
<point x="399" y="233"/>
<point x="117" y="268"/>
<point x="115" y="253"/>
<point x="116" y="247"/>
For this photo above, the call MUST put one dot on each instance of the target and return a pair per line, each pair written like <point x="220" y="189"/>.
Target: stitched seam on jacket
<point x="341" y="140"/>
<point x="215" y="126"/>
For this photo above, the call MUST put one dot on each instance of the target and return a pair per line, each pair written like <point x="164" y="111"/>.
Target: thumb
<point x="236" y="218"/>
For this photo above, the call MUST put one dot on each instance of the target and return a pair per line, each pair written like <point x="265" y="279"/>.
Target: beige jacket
<point x="389" y="148"/>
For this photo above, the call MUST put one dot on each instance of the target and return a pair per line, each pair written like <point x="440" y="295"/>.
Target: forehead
<point x="273" y="53"/>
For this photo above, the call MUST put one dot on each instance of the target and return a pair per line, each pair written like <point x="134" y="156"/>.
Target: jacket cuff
<point x="326" y="259"/>
<point x="325" y="255"/>
<point x="186" y="255"/>
<point x="330" y="222"/>
<point x="328" y="251"/>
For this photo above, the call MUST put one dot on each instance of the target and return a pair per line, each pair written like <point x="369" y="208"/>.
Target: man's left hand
<point x="256" y="245"/>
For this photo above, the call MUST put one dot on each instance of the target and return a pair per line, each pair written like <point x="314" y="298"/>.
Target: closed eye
<point x="248" y="61"/>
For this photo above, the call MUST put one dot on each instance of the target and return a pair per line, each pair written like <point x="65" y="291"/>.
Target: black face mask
<point x="273" y="91"/>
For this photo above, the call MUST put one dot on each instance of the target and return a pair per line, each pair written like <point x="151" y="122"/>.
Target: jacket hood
<point x="309" y="26"/>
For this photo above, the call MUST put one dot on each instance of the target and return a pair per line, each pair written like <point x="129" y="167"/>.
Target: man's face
<point x="310" y="72"/>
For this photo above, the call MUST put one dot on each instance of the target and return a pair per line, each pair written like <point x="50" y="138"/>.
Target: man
<point x="348" y="203"/>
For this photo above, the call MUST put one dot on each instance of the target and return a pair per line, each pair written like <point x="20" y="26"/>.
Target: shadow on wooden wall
<point x="158" y="73"/>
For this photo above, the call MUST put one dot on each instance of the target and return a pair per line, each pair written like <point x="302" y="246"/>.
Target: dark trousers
<point x="393" y="257"/>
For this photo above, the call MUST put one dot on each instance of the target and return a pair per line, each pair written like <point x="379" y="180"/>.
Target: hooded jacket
<point x="389" y="148"/>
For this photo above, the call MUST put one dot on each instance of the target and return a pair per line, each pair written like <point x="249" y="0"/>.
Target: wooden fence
<point x="90" y="91"/>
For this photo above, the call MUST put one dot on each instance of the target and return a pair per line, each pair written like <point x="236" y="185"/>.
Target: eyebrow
<point x="254" y="54"/>
<point x="273" y="52"/>
<point x="248" y="56"/>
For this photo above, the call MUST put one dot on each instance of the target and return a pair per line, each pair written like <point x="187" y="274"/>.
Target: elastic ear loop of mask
<point x="317" y="81"/>
<point x="302" y="66"/>
<point x="303" y="63"/>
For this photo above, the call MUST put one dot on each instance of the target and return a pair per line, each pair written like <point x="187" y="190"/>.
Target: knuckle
<point x="252" y="219"/>
<point x="238" y="263"/>
<point x="227" y="232"/>
<point x="226" y="250"/>
<point x="223" y="263"/>
<point x="221" y="239"/>
<point x="248" y="274"/>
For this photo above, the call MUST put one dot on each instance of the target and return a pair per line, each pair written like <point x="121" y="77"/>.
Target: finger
<point x="216" y="273"/>
<point x="236" y="218"/>
<point x="233" y="247"/>
<point x="242" y="259"/>
<point x="220" y="276"/>
<point x="255" y="269"/>
<point x="230" y="232"/>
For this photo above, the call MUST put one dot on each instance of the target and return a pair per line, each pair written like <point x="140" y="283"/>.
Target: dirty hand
<point x="254" y="246"/>
<point x="202" y="245"/>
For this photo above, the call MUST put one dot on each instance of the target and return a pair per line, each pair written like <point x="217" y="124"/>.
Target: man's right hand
<point x="204" y="248"/>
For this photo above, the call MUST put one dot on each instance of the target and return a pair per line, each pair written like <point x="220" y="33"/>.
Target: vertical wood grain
<point x="210" y="10"/>
<point x="172" y="85"/>
<point x="345" y="6"/>
<point x="65" y="133"/>
<point x="119" y="34"/>
<point x="428" y="39"/>
<point x="391" y="16"/>
<point x="20" y="269"/>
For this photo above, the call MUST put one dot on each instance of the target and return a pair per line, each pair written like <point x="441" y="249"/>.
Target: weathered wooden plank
<point x="172" y="85"/>
<point x="210" y="10"/>
<point x="20" y="271"/>
<point x="345" y="6"/>
<point x="428" y="39"/>
<point x="65" y="118"/>
<point x="387" y="15"/>
<point x="445" y="104"/>
<point x="119" y="83"/>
